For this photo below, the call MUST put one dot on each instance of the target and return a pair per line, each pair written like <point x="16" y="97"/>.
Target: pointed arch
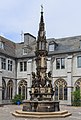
<point x="9" y="89"/>
<point x="77" y="84"/>
<point x="60" y="89"/>
<point x="3" y="89"/>
<point x="22" y="89"/>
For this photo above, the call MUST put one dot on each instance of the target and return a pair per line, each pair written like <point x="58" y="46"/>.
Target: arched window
<point x="3" y="89"/>
<point x="22" y="89"/>
<point x="78" y="84"/>
<point x="9" y="89"/>
<point x="60" y="89"/>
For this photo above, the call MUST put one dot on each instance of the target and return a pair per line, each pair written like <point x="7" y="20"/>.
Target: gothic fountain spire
<point x="41" y="83"/>
<point x="41" y="20"/>
<point x="41" y="32"/>
<point x="41" y="13"/>
<point x="41" y="52"/>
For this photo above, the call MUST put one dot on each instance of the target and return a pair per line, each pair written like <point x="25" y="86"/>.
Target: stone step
<point x="60" y="114"/>
<point x="42" y="113"/>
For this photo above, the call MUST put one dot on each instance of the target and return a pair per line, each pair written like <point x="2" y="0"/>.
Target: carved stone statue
<point x="33" y="79"/>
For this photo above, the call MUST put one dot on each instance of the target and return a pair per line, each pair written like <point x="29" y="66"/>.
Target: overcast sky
<point x="62" y="18"/>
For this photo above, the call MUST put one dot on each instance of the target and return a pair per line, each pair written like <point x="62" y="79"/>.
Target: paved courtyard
<point x="6" y="110"/>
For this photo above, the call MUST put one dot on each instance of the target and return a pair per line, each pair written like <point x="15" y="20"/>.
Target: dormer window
<point x="52" y="45"/>
<point x="1" y="45"/>
<point x="25" y="51"/>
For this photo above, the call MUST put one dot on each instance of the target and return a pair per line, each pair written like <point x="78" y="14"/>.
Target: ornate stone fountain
<point x="41" y="103"/>
<point x="42" y="90"/>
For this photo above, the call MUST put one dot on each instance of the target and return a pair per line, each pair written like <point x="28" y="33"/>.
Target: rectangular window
<point x="10" y="65"/>
<point x="21" y="66"/>
<point x="60" y="63"/>
<point x="51" y="47"/>
<point x="25" y="66"/>
<point x="80" y="44"/>
<point x="1" y="45"/>
<point x="65" y="93"/>
<point x="3" y="63"/>
<point x="79" y="61"/>
<point x="25" y="51"/>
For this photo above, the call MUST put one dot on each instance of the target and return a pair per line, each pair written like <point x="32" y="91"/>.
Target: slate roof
<point x="9" y="47"/>
<point x="64" y="45"/>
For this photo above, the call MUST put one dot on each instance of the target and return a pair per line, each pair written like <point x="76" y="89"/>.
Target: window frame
<point x="61" y="62"/>
<point x="78" y="66"/>
<point x="25" y="51"/>
<point x="10" y="62"/>
<point x="53" y="47"/>
<point x="3" y="63"/>
<point x="1" y="44"/>
<point x="23" y="66"/>
<point x="57" y="66"/>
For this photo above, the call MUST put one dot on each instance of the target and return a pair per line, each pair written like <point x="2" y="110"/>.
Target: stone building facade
<point x="17" y="62"/>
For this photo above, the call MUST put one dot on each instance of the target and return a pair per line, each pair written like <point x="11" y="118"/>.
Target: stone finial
<point x="41" y="8"/>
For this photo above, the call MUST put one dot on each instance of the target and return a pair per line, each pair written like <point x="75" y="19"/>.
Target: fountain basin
<point x="41" y="106"/>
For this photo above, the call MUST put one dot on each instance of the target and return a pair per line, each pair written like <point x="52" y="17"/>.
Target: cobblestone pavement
<point x="6" y="110"/>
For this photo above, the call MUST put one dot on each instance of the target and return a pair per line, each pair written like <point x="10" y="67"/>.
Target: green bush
<point x="17" y="98"/>
<point x="76" y="98"/>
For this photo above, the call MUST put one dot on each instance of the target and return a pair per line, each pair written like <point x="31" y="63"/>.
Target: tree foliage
<point x="17" y="98"/>
<point x="76" y="98"/>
